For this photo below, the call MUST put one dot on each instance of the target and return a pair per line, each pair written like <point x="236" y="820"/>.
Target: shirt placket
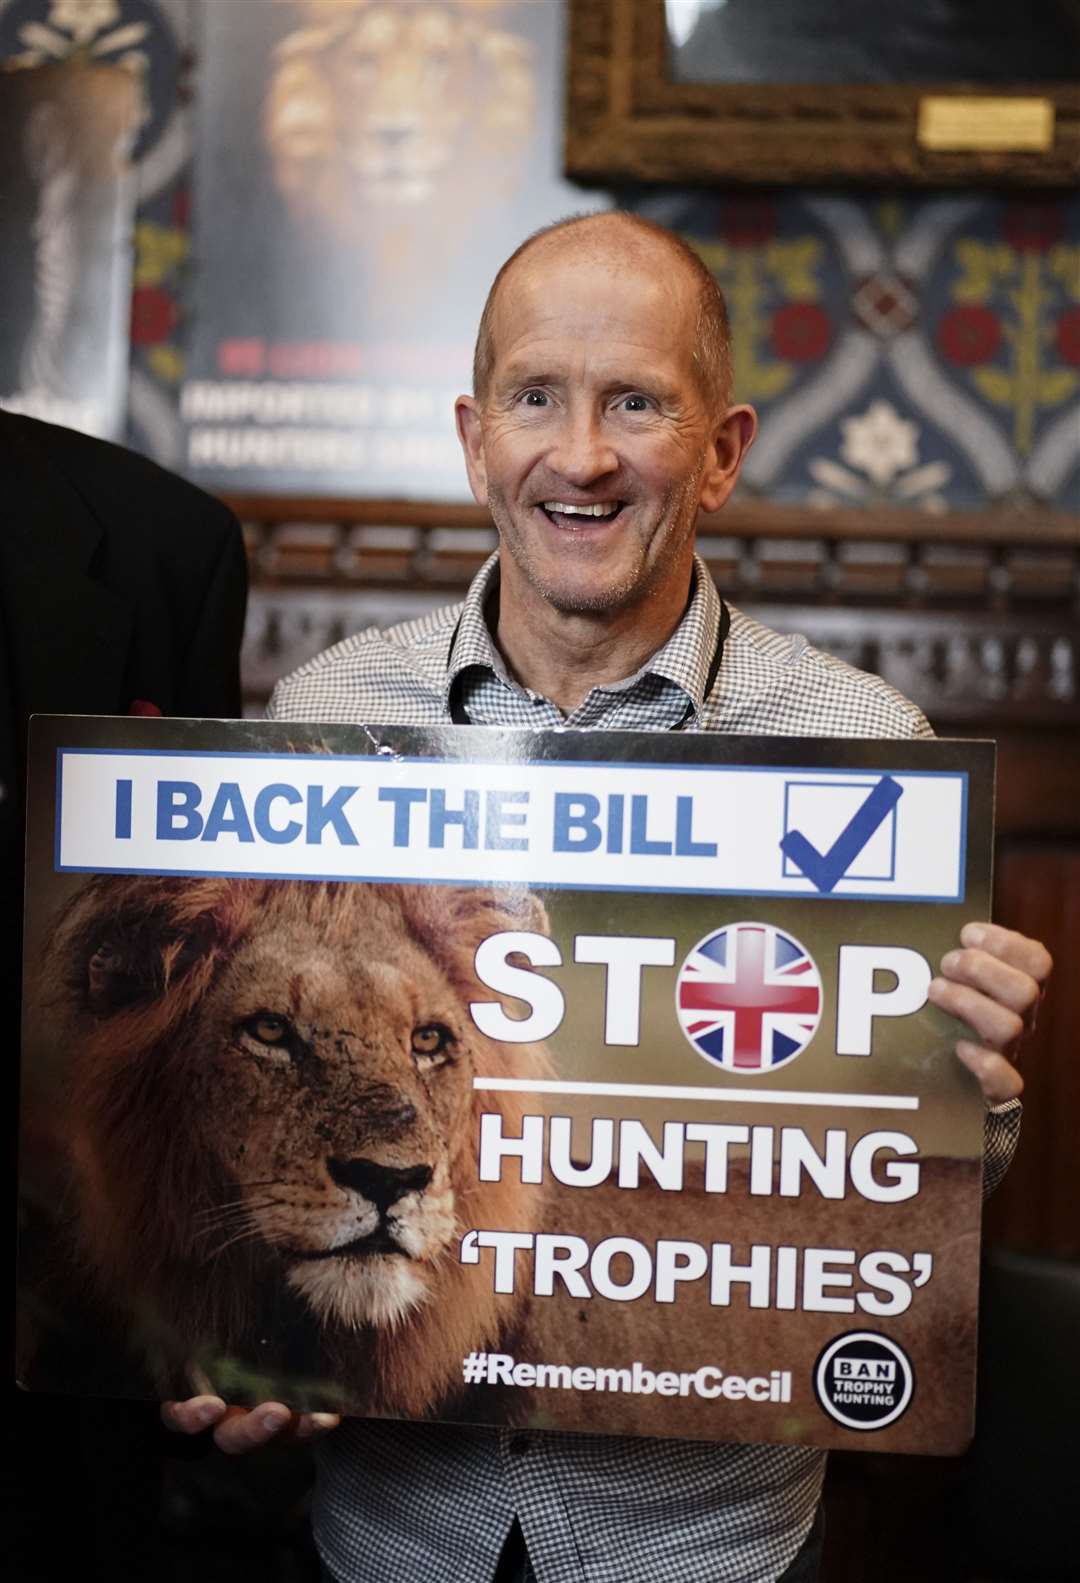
<point x="530" y="1464"/>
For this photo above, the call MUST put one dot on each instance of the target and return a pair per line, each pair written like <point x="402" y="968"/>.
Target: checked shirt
<point x="403" y="1501"/>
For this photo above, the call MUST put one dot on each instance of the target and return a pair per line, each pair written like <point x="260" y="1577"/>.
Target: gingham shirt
<point x="398" y="1502"/>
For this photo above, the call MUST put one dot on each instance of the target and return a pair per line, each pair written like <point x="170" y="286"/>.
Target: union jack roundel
<point x="749" y="997"/>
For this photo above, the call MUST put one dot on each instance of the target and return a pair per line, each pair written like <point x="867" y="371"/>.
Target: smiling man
<point x="599" y="424"/>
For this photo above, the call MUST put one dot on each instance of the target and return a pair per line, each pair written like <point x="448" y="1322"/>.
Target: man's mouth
<point x="574" y="515"/>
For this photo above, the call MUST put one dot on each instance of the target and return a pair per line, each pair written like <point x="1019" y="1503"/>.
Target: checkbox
<point x="822" y="810"/>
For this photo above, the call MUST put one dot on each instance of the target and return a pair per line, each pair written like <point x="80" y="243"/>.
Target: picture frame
<point x="628" y="120"/>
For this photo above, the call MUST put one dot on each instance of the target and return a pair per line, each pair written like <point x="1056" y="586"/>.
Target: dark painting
<point x="978" y="43"/>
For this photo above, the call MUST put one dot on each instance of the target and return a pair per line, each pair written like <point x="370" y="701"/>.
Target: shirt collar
<point x="687" y="656"/>
<point x="472" y="644"/>
<point x="685" y="659"/>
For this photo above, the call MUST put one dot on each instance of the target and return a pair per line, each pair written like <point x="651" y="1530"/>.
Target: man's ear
<point x="734" y="437"/>
<point x="470" y="428"/>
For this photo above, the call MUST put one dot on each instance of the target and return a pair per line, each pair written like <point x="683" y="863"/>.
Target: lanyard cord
<point x="460" y="715"/>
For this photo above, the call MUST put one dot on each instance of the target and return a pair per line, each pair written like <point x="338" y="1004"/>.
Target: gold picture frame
<point x="628" y="121"/>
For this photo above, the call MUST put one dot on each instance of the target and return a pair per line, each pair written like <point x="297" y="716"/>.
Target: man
<point x="599" y="424"/>
<point x="122" y="591"/>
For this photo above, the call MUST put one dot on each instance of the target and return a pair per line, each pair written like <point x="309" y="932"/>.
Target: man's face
<point x="594" y="445"/>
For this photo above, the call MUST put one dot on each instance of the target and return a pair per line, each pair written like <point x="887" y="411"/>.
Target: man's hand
<point x="994" y="984"/>
<point x="240" y="1429"/>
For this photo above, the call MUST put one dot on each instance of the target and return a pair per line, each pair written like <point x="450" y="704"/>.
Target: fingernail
<point x="950" y="961"/>
<point x="273" y="1418"/>
<point x="323" y="1421"/>
<point x="975" y="934"/>
<point x="205" y="1414"/>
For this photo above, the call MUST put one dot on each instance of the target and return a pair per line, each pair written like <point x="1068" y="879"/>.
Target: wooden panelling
<point x="974" y="616"/>
<point x="1037" y="1208"/>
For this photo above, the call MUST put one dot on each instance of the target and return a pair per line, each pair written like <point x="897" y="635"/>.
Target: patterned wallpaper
<point x="919" y="349"/>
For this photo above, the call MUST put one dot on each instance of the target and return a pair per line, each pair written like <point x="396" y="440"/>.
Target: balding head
<point x="628" y="242"/>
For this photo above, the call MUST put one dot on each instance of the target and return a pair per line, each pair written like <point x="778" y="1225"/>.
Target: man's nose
<point x="582" y="453"/>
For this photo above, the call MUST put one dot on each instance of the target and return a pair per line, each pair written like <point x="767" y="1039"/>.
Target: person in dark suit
<point x="122" y="591"/>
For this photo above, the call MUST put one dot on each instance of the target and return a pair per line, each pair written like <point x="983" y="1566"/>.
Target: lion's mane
<point x="174" y="997"/>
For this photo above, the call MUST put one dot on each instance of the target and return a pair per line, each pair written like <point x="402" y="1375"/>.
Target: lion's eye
<point x="268" y="1028"/>
<point x="431" y="1042"/>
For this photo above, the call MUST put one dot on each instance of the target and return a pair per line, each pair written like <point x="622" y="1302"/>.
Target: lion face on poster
<point x="401" y="108"/>
<point x="272" y="1084"/>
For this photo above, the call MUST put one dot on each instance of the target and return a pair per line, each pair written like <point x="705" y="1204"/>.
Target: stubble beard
<point x="637" y="581"/>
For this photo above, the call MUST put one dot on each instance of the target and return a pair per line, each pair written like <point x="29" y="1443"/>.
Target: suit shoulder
<point x="121" y="487"/>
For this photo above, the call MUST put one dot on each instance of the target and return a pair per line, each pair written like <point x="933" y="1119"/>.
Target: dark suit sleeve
<point x="209" y="683"/>
<point x="168" y="561"/>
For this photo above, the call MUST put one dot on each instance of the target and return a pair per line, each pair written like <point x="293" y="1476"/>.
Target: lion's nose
<point x="381" y="1185"/>
<point x="394" y="136"/>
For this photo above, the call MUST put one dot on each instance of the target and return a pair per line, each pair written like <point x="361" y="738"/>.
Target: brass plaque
<point x="993" y="124"/>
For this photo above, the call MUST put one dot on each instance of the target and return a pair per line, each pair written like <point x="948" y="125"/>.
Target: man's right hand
<point x="240" y="1429"/>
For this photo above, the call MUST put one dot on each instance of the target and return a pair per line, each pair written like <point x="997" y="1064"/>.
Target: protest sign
<point x="569" y="1079"/>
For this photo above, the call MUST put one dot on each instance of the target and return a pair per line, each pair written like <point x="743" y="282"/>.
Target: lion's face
<point x="378" y="103"/>
<point x="401" y="80"/>
<point x="278" y="1077"/>
<point x="344" y="1057"/>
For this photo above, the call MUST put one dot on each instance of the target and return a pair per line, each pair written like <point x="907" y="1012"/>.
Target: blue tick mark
<point x="824" y="869"/>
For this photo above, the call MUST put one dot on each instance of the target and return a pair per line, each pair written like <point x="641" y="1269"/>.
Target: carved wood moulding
<point x="958" y="666"/>
<point x="976" y="617"/>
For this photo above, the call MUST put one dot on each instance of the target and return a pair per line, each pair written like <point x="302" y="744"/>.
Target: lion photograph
<point x="388" y="124"/>
<point x="270" y="1125"/>
<point x="269" y="1134"/>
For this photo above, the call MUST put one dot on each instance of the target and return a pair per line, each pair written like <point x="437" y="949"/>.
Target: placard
<point x="566" y="1079"/>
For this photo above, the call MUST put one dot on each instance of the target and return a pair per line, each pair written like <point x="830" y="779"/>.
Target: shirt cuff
<point x="1000" y="1135"/>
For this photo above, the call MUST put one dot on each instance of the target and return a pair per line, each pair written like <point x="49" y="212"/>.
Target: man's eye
<point x="535" y="398"/>
<point x="431" y="1042"/>
<point x="636" y="403"/>
<point x="266" y="1027"/>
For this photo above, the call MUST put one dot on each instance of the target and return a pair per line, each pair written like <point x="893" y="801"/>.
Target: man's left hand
<point x="994" y="984"/>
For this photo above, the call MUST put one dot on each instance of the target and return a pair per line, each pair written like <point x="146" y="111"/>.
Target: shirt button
<point x="520" y="1446"/>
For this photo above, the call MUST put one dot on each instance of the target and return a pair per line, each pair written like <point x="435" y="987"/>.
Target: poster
<point x="577" y="1080"/>
<point x="357" y="188"/>
<point x="66" y="216"/>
